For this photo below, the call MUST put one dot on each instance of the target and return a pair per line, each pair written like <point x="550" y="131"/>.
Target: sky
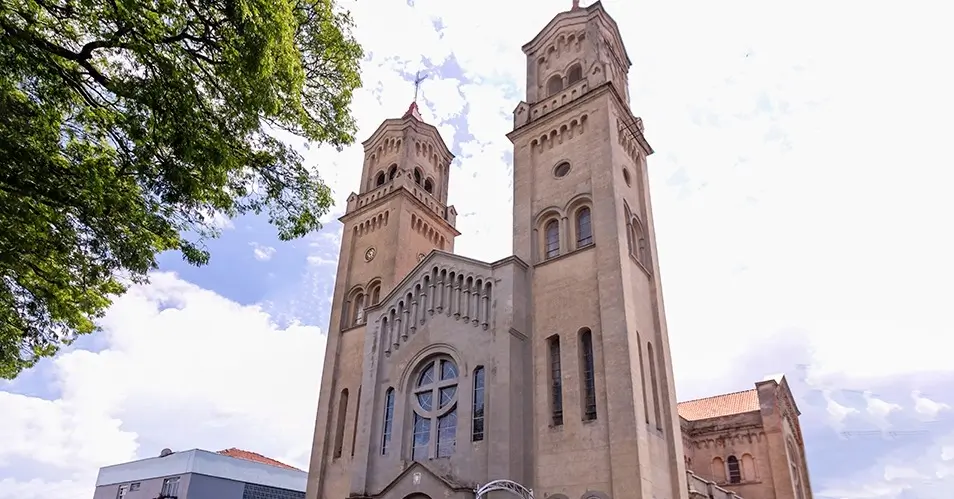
<point x="801" y="192"/>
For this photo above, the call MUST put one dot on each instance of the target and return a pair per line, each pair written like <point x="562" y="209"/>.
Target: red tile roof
<point x="720" y="405"/>
<point x="254" y="457"/>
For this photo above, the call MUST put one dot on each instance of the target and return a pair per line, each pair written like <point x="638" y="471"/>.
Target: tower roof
<point x="413" y="112"/>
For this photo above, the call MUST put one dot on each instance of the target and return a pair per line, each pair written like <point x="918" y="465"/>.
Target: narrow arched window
<point x="717" y="468"/>
<point x="642" y="378"/>
<point x="388" y="420"/>
<point x="554" y="84"/>
<point x="556" y="381"/>
<point x="358" y="308"/>
<point x="376" y="295"/>
<point x="749" y="471"/>
<point x="655" y="385"/>
<point x="417" y="176"/>
<point x="477" y="432"/>
<point x="552" y="232"/>
<point x="735" y="473"/>
<point x="357" y="413"/>
<point x="392" y="172"/>
<point x="381" y="179"/>
<point x="342" y="417"/>
<point x="574" y="74"/>
<point x="588" y="376"/>
<point x="584" y="230"/>
<point x="429" y="186"/>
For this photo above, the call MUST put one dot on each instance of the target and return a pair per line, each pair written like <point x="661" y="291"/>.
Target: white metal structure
<point x="505" y="485"/>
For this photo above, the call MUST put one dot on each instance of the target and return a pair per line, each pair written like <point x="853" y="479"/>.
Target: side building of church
<point x="550" y="368"/>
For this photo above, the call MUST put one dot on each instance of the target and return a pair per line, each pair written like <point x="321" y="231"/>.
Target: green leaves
<point x="124" y="124"/>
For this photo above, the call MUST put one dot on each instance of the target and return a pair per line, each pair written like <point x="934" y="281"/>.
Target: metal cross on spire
<point x="418" y="78"/>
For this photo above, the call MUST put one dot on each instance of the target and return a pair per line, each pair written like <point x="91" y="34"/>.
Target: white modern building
<point x="199" y="474"/>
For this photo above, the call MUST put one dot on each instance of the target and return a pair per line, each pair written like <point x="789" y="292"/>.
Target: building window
<point x="477" y="433"/>
<point x="429" y="186"/>
<point x="654" y="385"/>
<point x="342" y="417"/>
<point x="642" y="378"/>
<point x="584" y="230"/>
<point x="375" y="294"/>
<point x="354" y="431"/>
<point x="552" y="232"/>
<point x="418" y="178"/>
<point x="574" y="74"/>
<point x="554" y="84"/>
<point x="388" y="419"/>
<point x="170" y="487"/>
<point x="123" y="489"/>
<point x="435" y="410"/>
<point x="589" y="376"/>
<point x="134" y="486"/>
<point x="392" y="172"/>
<point x="561" y="170"/>
<point x="556" y="382"/>
<point x="255" y="491"/>
<point x="381" y="179"/>
<point x="735" y="472"/>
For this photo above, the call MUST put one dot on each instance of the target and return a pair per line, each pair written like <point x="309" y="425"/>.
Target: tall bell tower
<point x="398" y="216"/>
<point x="604" y="400"/>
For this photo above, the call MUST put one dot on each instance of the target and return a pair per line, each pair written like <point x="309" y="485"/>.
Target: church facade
<point x="550" y="368"/>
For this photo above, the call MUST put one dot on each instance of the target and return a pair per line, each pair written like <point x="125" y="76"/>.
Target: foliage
<point x="126" y="126"/>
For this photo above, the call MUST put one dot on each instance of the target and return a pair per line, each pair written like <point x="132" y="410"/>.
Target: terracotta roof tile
<point x="254" y="457"/>
<point x="720" y="405"/>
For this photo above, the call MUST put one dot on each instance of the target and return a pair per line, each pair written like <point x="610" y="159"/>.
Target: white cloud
<point x="800" y="190"/>
<point x="183" y="368"/>
<point x="262" y="253"/>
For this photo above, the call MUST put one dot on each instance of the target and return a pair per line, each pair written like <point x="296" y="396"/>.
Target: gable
<point x="441" y="284"/>
<point x="420" y="479"/>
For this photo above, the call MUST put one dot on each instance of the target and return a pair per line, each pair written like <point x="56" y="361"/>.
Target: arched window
<point x="655" y="385"/>
<point x="556" y="381"/>
<point x="435" y="410"/>
<point x="417" y="176"/>
<point x="554" y="84"/>
<point x="552" y="232"/>
<point x="375" y="294"/>
<point x="381" y="179"/>
<point x="588" y="376"/>
<point x="642" y="378"/>
<point x="749" y="471"/>
<point x="574" y="74"/>
<point x="584" y="230"/>
<point x="735" y="472"/>
<point x="358" y="309"/>
<point x="342" y="417"/>
<point x="429" y="186"/>
<point x="388" y="420"/>
<point x="357" y="413"/>
<point x="392" y="172"/>
<point x="718" y="470"/>
<point x="477" y="432"/>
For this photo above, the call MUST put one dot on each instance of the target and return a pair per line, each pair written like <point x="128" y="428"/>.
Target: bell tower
<point x="397" y="217"/>
<point x="603" y="384"/>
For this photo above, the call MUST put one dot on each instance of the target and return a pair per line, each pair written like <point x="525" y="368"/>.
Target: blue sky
<point x="800" y="189"/>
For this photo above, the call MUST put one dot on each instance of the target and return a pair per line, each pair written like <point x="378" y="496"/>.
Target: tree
<point x="126" y="126"/>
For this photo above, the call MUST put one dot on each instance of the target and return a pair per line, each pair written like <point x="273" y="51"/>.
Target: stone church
<point x="549" y="368"/>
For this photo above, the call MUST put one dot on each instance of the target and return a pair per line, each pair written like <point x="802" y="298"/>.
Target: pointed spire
<point x="412" y="111"/>
<point x="576" y="5"/>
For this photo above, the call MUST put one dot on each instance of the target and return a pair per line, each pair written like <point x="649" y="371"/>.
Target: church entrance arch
<point x="503" y="485"/>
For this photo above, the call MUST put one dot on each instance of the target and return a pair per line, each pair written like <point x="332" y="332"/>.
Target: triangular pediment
<point x="418" y="478"/>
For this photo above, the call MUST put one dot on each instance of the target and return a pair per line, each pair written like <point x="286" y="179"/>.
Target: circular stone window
<point x="561" y="169"/>
<point x="626" y="177"/>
